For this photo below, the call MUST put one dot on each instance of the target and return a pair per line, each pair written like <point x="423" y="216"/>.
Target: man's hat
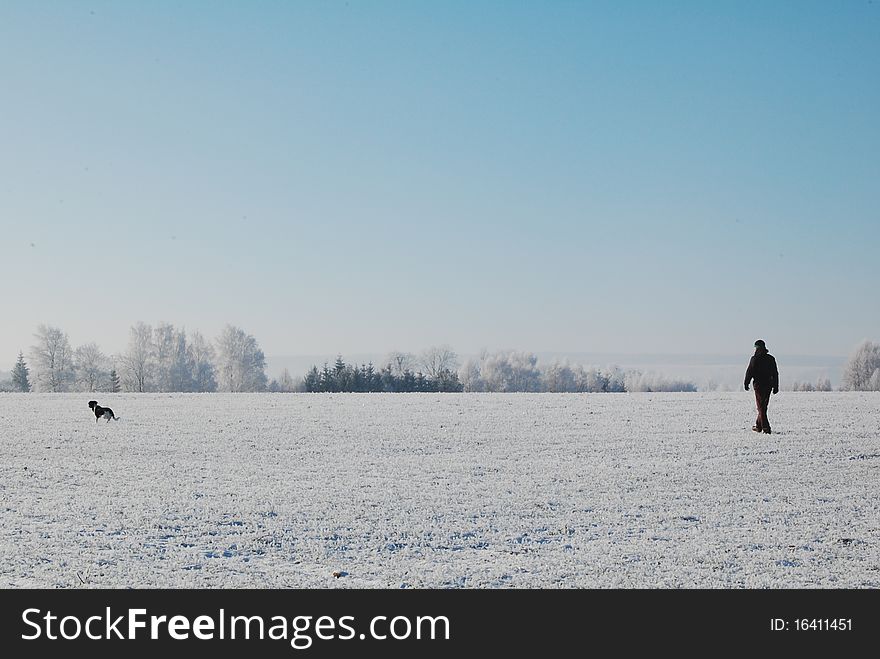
<point x="760" y="344"/>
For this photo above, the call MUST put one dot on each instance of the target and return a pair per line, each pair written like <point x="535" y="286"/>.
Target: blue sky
<point x="627" y="177"/>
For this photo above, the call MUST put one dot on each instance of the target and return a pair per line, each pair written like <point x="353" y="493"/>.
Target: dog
<point x="99" y="411"/>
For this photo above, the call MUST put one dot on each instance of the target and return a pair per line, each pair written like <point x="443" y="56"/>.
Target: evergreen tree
<point x="371" y="379"/>
<point x="355" y="380"/>
<point x="312" y="381"/>
<point x="339" y="379"/>
<point x="387" y="381"/>
<point x="448" y="381"/>
<point x="326" y="379"/>
<point x="114" y="381"/>
<point x="20" y="375"/>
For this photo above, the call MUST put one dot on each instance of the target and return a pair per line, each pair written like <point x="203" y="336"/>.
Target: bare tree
<point x="438" y="360"/>
<point x="52" y="359"/>
<point x="401" y="362"/>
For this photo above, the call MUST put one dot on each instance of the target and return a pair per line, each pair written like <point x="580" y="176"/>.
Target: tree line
<point x="437" y="370"/>
<point x="821" y="384"/>
<point x="342" y="377"/>
<point x="157" y="359"/>
<point x="169" y="359"/>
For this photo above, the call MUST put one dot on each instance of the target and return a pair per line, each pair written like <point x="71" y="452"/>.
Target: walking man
<point x="762" y="370"/>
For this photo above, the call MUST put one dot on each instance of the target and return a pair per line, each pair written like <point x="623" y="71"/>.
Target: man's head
<point x="760" y="344"/>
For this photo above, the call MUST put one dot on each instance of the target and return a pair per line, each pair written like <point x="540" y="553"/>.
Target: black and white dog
<point x="99" y="411"/>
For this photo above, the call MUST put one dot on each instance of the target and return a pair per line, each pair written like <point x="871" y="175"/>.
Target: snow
<point x="427" y="490"/>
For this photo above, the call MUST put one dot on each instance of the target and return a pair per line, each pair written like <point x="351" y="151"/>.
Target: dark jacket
<point x="762" y="369"/>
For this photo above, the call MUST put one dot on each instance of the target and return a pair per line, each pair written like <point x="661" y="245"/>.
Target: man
<point x="762" y="369"/>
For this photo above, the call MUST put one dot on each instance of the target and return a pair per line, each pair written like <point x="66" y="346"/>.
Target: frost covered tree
<point x="616" y="380"/>
<point x="493" y="372"/>
<point x="862" y="371"/>
<point x="559" y="378"/>
<point x="167" y="359"/>
<point x="181" y="364"/>
<point x="163" y="349"/>
<point x="241" y="365"/>
<point x="20" y="380"/>
<point x="286" y="383"/>
<point x="175" y="363"/>
<point x="590" y="380"/>
<point x="822" y="384"/>
<point x="503" y="371"/>
<point x="52" y="359"/>
<point x="649" y="382"/>
<point x="138" y="363"/>
<point x="511" y="371"/>
<point x="469" y="375"/>
<point x="201" y="360"/>
<point x="90" y="366"/>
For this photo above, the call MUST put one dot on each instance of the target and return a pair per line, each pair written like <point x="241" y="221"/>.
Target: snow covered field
<point x="423" y="490"/>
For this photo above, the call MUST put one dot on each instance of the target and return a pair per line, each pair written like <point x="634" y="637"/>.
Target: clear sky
<point x="630" y="177"/>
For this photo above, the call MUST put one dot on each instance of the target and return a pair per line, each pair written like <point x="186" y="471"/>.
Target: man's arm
<point x="775" y="381"/>
<point x="749" y="373"/>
